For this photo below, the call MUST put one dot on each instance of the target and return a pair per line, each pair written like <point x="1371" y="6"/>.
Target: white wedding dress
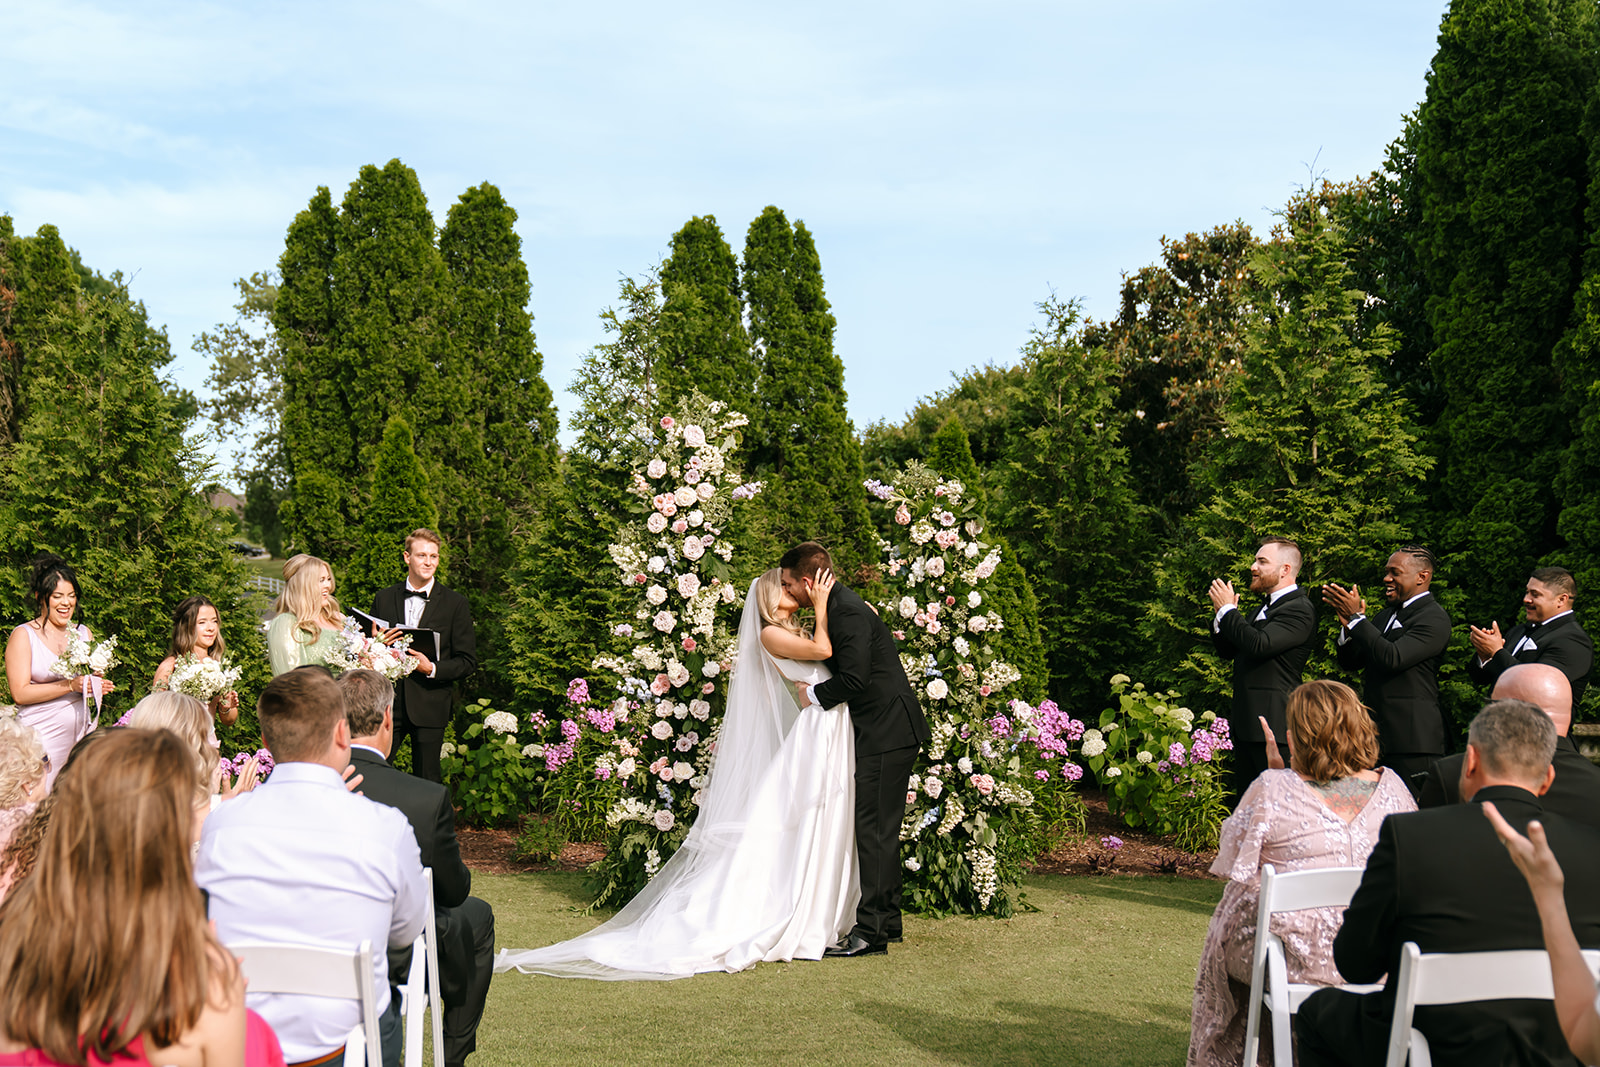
<point x="768" y="870"/>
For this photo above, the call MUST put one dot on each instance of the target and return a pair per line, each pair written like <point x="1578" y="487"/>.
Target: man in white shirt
<point x="1551" y="635"/>
<point x="301" y="860"/>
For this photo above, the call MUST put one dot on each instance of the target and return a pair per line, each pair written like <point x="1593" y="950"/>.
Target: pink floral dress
<point x="1282" y="821"/>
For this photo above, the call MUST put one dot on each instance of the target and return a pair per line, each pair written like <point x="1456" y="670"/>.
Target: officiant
<point x="424" y="698"/>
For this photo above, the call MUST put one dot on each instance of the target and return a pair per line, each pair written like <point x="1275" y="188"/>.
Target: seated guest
<point x="466" y="924"/>
<point x="1575" y="793"/>
<point x="190" y="720"/>
<point x="301" y="860"/>
<point x="108" y="936"/>
<point x="22" y="851"/>
<point x="1324" y="812"/>
<point x="23" y="764"/>
<point x="1441" y="879"/>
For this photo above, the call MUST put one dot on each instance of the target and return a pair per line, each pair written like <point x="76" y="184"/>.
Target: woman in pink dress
<point x="1322" y="811"/>
<point x="53" y="705"/>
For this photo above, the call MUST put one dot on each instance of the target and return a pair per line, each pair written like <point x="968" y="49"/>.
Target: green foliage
<point x="489" y="778"/>
<point x="540" y="839"/>
<point x="702" y="341"/>
<point x="400" y="501"/>
<point x="246" y="386"/>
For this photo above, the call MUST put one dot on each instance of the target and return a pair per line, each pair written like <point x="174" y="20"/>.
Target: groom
<point x="889" y="727"/>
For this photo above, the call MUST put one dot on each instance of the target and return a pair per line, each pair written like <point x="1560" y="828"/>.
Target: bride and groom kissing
<point x="795" y="849"/>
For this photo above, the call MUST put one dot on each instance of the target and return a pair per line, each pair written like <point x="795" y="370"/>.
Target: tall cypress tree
<point x="37" y="281"/>
<point x="1500" y="176"/>
<point x="704" y="345"/>
<point x="401" y="501"/>
<point x="800" y="434"/>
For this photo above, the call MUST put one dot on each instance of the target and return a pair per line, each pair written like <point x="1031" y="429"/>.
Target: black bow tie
<point x="1529" y="628"/>
<point x="423" y="593"/>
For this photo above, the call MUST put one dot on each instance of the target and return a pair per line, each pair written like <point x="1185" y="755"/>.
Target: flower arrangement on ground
<point x="976" y="804"/>
<point x="1161" y="765"/>
<point x="355" y="649"/>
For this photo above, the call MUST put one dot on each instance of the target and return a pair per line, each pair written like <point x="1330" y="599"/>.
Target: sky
<point x="956" y="163"/>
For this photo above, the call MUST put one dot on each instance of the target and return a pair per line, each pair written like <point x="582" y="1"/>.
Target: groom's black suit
<point x="889" y="727"/>
<point x="421" y="704"/>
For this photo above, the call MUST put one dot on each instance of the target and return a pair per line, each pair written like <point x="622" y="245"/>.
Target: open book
<point x="424" y="641"/>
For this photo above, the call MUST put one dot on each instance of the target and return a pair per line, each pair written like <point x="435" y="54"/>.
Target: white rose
<point x="973" y="599"/>
<point x="705" y="490"/>
<point x="908" y="607"/>
<point x="664" y="820"/>
<point x="935" y="567"/>
<point x="933" y="787"/>
<point x="977" y="624"/>
<point x="699" y="709"/>
<point x="655" y="594"/>
<point x="711" y="668"/>
<point x="626" y="768"/>
<point x="661" y="730"/>
<point x="657" y="564"/>
<point x="961" y="646"/>
<point x="688" y="585"/>
<point x="682" y="771"/>
<point x="937" y="689"/>
<point x="677" y="674"/>
<point x="964" y="765"/>
<point x="685" y="495"/>
<point x="692" y="548"/>
<point x="656" y="522"/>
<point x="696" y="518"/>
<point x="971" y="551"/>
<point x="657" y="468"/>
<point x="100" y="660"/>
<point x="694" y="436"/>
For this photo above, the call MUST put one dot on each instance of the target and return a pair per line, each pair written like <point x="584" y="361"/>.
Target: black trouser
<point x="425" y="744"/>
<point x="1249" y="760"/>
<point x="1412" y="767"/>
<point x="461" y="1021"/>
<point x="880" y="808"/>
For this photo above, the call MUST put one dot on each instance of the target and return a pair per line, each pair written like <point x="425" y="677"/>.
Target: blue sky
<point x="957" y="163"/>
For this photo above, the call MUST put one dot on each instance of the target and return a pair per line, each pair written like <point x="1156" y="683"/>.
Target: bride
<point x="768" y="871"/>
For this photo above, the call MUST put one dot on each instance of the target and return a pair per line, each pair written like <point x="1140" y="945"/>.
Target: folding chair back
<point x="421" y="992"/>
<point x="305" y="970"/>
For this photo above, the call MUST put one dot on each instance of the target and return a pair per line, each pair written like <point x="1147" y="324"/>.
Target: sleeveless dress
<point x="61" y="722"/>
<point x="261" y="1049"/>
<point x="785" y="889"/>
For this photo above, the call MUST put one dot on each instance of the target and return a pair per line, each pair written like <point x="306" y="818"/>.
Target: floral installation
<point x="993" y="766"/>
<point x="87" y="659"/>
<point x="355" y="649"/>
<point x="1162" y="765"/>
<point x="637" y="736"/>
<point x="201" y="677"/>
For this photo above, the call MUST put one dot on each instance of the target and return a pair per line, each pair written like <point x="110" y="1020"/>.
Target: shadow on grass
<point x="1199" y="898"/>
<point x="1038" y="1033"/>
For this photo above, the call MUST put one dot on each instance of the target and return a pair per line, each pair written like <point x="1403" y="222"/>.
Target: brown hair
<point x="299" y="710"/>
<point x="1334" y="736"/>
<point x="185" y="623"/>
<point x="805" y="559"/>
<point x="107" y="939"/>
<point x="22" y="851"/>
<point x="1291" y="549"/>
<point x="367" y="695"/>
<point x="422" y="533"/>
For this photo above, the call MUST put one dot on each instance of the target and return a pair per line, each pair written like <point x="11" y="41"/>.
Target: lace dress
<point x="1282" y="821"/>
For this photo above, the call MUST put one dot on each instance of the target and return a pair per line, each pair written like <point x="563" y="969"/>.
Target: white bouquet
<point x="83" y="657"/>
<point x="355" y="649"/>
<point x="202" y="679"/>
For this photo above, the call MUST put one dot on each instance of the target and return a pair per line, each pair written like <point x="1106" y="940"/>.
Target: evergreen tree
<point x="800" y="437"/>
<point x="37" y="282"/>
<point x="982" y="398"/>
<point x="400" y="501"/>
<point x="1009" y="593"/>
<point x="1500" y="177"/>
<point x="703" y="341"/>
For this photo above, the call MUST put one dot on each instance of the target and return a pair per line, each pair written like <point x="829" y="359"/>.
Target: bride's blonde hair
<point x="769" y="593"/>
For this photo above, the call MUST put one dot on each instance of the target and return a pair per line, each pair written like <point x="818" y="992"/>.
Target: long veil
<point x="701" y="902"/>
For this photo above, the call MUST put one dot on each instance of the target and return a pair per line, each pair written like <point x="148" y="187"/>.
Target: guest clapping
<point x="197" y="632"/>
<point x="22" y="769"/>
<point x="1325" y="812"/>
<point x="309" y="618"/>
<point x="50" y="703"/>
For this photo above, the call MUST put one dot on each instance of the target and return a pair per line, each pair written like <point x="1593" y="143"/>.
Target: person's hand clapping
<point x="1274" y="754"/>
<point x="1346" y="603"/>
<point x="1486" y="642"/>
<point x="1222" y="594"/>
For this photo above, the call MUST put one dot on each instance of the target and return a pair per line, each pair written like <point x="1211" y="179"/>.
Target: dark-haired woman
<point x="51" y="704"/>
<point x="197" y="632"/>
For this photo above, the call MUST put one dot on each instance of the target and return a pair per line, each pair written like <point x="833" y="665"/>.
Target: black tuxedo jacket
<point x="1562" y="643"/>
<point x="426" y="806"/>
<point x="1575" y="793"/>
<point x="427" y="701"/>
<point x="1442" y="879"/>
<point x="867" y="673"/>
<point x="1268" y="658"/>
<point x="1402" y="673"/>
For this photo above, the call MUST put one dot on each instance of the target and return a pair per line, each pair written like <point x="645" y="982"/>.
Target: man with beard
<point x="1400" y="650"/>
<point x="1269" y="648"/>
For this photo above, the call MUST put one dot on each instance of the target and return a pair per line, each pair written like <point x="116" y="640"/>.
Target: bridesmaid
<point x="309" y="619"/>
<point x="197" y="631"/>
<point x="52" y="705"/>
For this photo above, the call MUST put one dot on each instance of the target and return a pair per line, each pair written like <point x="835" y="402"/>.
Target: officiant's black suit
<point x="1401" y="664"/>
<point x="1561" y="643"/>
<point x="1269" y="656"/>
<point x="889" y="727"/>
<point x="1441" y="878"/>
<point x="421" y="704"/>
<point x="1575" y="793"/>
<point x="466" y="924"/>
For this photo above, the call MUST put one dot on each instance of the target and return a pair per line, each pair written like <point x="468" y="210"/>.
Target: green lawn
<point x="1102" y="973"/>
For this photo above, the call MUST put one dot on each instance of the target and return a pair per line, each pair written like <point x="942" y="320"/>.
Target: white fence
<point x="270" y="586"/>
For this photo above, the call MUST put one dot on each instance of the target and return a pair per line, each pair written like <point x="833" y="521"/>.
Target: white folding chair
<point x="320" y="972"/>
<point x="1459" y="977"/>
<point x="1329" y="887"/>
<point x="420" y="995"/>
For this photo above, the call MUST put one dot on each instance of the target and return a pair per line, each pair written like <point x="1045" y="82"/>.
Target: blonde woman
<point x="23" y="764"/>
<point x="309" y="618"/>
<point x="186" y="717"/>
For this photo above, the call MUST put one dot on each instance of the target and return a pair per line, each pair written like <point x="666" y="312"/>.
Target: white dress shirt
<point x="1216" y="622"/>
<point x="302" y="860"/>
<point x="415" y="605"/>
<point x="1392" y="624"/>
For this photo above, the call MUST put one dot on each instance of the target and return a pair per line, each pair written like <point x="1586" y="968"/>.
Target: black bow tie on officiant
<point x="423" y="593"/>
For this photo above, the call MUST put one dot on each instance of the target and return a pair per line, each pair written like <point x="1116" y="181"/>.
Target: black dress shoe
<point x="855" y="945"/>
<point x="894" y="939"/>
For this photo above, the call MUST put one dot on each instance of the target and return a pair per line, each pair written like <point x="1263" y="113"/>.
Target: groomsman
<point x="425" y="696"/>
<point x="1400" y="650"/>
<point x="1551" y="634"/>
<point x="1269" y="648"/>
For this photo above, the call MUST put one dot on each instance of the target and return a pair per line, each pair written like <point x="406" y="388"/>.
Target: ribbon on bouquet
<point x="93" y="683"/>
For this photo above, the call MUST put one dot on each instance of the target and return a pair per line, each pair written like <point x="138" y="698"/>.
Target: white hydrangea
<point x="1113" y="772"/>
<point x="532" y="751"/>
<point x="1094" y="743"/>
<point x="501" y="722"/>
<point x="1145" y="757"/>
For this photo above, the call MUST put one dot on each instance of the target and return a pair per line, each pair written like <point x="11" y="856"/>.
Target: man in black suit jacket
<point x="1551" y="634"/>
<point x="465" y="923"/>
<point x="1401" y="650"/>
<point x="1269" y="651"/>
<point x="889" y="727"/>
<point x="422" y="707"/>
<point x="1442" y="879"/>
<point x="1575" y="793"/>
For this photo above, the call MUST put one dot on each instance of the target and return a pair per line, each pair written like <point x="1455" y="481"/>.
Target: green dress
<point x="288" y="649"/>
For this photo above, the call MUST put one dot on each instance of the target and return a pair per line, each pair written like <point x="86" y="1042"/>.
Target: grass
<point x="1102" y="973"/>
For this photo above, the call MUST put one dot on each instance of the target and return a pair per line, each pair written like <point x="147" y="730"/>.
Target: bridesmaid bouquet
<point x="355" y="649"/>
<point x="202" y="679"/>
<point x="85" y="659"/>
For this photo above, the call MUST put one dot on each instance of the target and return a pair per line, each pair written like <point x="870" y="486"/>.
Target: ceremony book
<point x="424" y="641"/>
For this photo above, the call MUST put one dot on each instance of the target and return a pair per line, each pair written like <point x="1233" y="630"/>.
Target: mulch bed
<point x="494" y="851"/>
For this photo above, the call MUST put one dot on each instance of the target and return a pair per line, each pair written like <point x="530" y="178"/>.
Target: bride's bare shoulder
<point x="786" y="644"/>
